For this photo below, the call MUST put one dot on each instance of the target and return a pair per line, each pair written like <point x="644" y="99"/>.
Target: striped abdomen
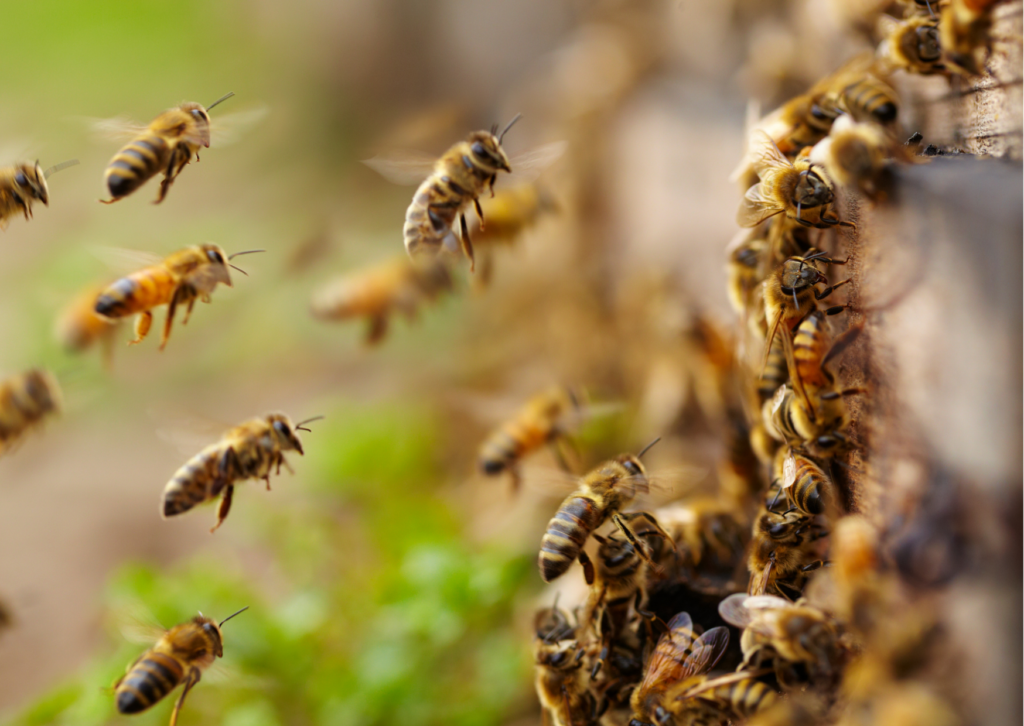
<point x="567" y="532"/>
<point x="511" y="442"/>
<point x="197" y="481"/>
<point x="811" y="487"/>
<point x="140" y="291"/>
<point x="136" y="163"/>
<point x="871" y="97"/>
<point x="809" y="349"/>
<point x="432" y="213"/>
<point x="152" y="677"/>
<point x="745" y="697"/>
<point x="776" y="371"/>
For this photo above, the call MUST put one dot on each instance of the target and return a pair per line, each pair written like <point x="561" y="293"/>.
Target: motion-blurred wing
<point x="406" y="168"/>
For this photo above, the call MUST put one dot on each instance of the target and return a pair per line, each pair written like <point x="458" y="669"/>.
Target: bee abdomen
<point x="192" y="484"/>
<point x="149" y="680"/>
<point x="564" y="538"/>
<point x="499" y="451"/>
<point x="133" y="165"/>
<point x="747" y="697"/>
<point x="114" y="302"/>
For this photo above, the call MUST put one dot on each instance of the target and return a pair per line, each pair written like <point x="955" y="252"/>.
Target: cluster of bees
<point x="825" y="634"/>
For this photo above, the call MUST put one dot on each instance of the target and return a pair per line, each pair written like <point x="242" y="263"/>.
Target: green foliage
<point x="411" y="627"/>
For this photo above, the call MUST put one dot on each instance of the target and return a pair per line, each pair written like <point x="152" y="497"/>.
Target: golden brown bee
<point x="601" y="496"/>
<point x="964" y="32"/>
<point x="560" y="681"/>
<point x="25" y="400"/>
<point x="166" y="145"/>
<point x="806" y="486"/>
<point x="801" y="190"/>
<point x="782" y="551"/>
<point x="855" y="155"/>
<point x="680" y="657"/>
<point x="180" y="279"/>
<point x="179" y="657"/>
<point x="704" y="701"/>
<point x="23" y="184"/>
<point x="79" y="326"/>
<point x="912" y="44"/>
<point x="545" y="419"/>
<point x="460" y="176"/>
<point x="746" y="269"/>
<point x="247" y="451"/>
<point x="396" y="285"/>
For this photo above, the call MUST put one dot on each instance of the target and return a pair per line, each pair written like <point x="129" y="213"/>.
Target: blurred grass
<point x="389" y="616"/>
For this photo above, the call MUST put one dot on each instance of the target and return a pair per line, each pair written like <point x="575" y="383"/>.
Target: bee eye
<point x="20" y="179"/>
<point x="282" y="428"/>
<point x="215" y="256"/>
<point x="819" y="113"/>
<point x="631" y="467"/>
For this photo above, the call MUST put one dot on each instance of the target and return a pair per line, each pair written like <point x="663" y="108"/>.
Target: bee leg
<point x="494" y="178"/>
<point x="467" y="245"/>
<point x="479" y="213"/>
<point x="172" y="308"/>
<point x="377" y="330"/>
<point x="142" y="325"/>
<point x="224" y="507"/>
<point x="829" y="290"/>
<point x="188" y="311"/>
<point x="588" y="568"/>
<point x="641" y="547"/>
<point x="282" y="460"/>
<point x="516" y="477"/>
<point x="193" y="678"/>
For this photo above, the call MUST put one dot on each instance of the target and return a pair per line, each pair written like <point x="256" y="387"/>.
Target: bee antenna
<point x="222" y="99"/>
<point x="247" y="252"/>
<point x="221" y="624"/>
<point x="59" y="167"/>
<point x="510" y="124"/>
<point x="494" y="129"/>
<point x="299" y="425"/>
<point x="647" y="448"/>
<point x="236" y="267"/>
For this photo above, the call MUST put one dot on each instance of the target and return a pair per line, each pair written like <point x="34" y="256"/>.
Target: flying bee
<point x="398" y="284"/>
<point x="21" y="185"/>
<point x="802" y="190"/>
<point x="855" y="154"/>
<point x="182" y="278"/>
<point x="679" y="657"/>
<point x="247" y="451"/>
<point x="179" y="657"/>
<point x="965" y="35"/>
<point x="601" y="496"/>
<point x="25" y="401"/>
<point x="912" y="44"/>
<point x="166" y="145"/>
<point x="79" y="326"/>
<point x="782" y="551"/>
<point x="560" y="683"/>
<point x="546" y="418"/>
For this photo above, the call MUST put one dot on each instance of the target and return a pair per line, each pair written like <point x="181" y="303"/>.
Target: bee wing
<point x="765" y="154"/>
<point x="528" y="165"/>
<point x="116" y="128"/>
<point x="743" y="611"/>
<point x="187" y="432"/>
<point x="231" y="127"/>
<point x="755" y="208"/>
<point x="405" y="168"/>
<point x="759" y="580"/>
<point x="124" y="261"/>
<point x="706" y="651"/>
<point x="852" y="70"/>
<point x="664" y="666"/>
<point x="136" y="623"/>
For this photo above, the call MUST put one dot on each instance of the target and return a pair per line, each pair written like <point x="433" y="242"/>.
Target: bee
<point x="545" y="419"/>
<point x="680" y="657"/>
<point x="802" y="190"/>
<point x="180" y="279"/>
<point x="179" y="657"/>
<point x="601" y="495"/>
<point x="560" y="683"/>
<point x="965" y="35"/>
<point x="21" y="185"/>
<point x="79" y="326"/>
<point x="398" y="284"/>
<point x="855" y="154"/>
<point x="782" y="551"/>
<point x="708" y="533"/>
<point x="746" y="270"/>
<point x="912" y="44"/>
<point x="25" y="401"/>
<point x="166" y="145"/>
<point x="247" y="451"/>
<point x="460" y="176"/>
<point x="806" y="485"/>
<point x="705" y="701"/>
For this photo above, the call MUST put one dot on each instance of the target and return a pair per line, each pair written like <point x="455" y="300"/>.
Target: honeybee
<point x="748" y="255"/>
<point x="807" y="486"/>
<point x="680" y="657"/>
<point x="601" y="495"/>
<point x="782" y="551"/>
<point x="709" y="537"/>
<point x="25" y="400"/>
<point x="703" y="701"/>
<point x="166" y="145"/>
<point x="799" y="190"/>
<point x="247" y="451"/>
<point x="855" y="154"/>
<point x="560" y="681"/>
<point x="23" y="184"/>
<point x="964" y="33"/>
<point x="912" y="44"/>
<point x="180" y="279"/>
<point x="79" y="326"/>
<point x="398" y="284"/>
<point x="545" y="419"/>
<point x="179" y="657"/>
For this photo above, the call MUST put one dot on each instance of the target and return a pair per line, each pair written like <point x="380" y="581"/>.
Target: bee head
<point x="925" y="42"/>
<point x="218" y="261"/>
<point x="487" y="152"/>
<point x="284" y="432"/>
<point x="798" y="274"/>
<point x="552" y="625"/>
<point x="812" y="190"/>
<point x="201" y="118"/>
<point x="560" y="655"/>
<point x="31" y="181"/>
<point x="631" y="464"/>
<point x="211" y="631"/>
